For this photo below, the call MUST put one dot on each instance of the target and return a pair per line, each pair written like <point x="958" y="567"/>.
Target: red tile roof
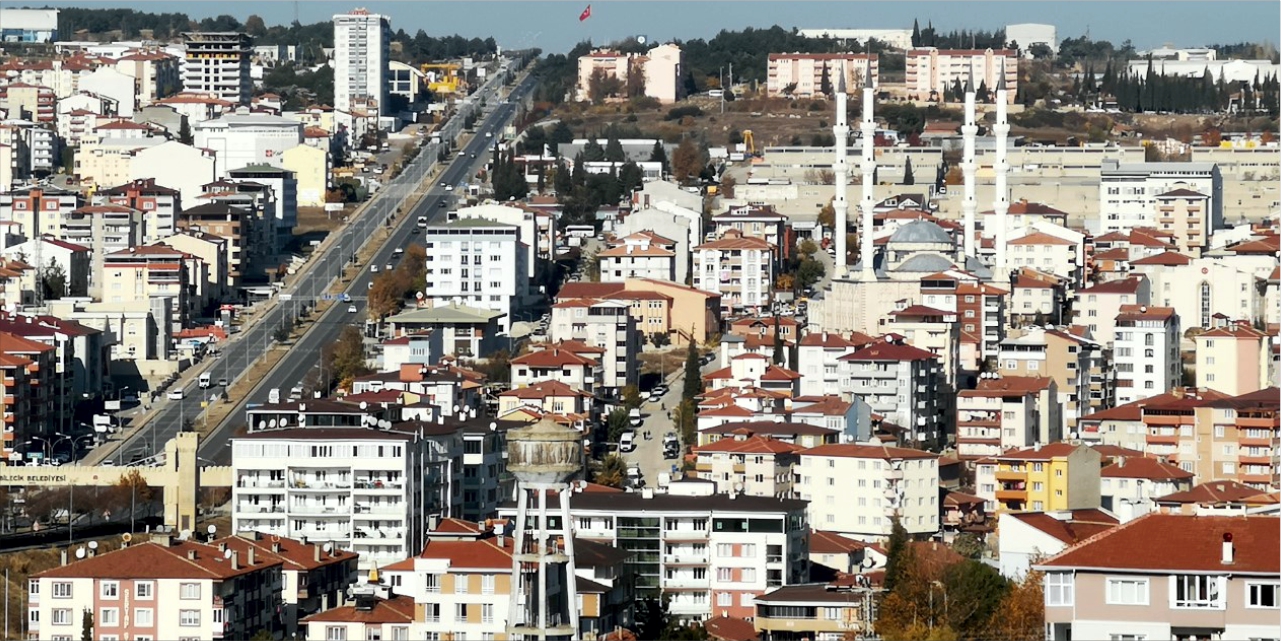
<point x="888" y="351"/>
<point x="153" y="560"/>
<point x="296" y="555"/>
<point x="552" y="358"/>
<point x="544" y="389"/>
<point x="822" y="542"/>
<point x="1040" y="238"/>
<point x="1145" y="468"/>
<point x="750" y="445"/>
<point x="1081" y="524"/>
<point x="1042" y="453"/>
<point x="1187" y="544"/>
<point x="1218" y="492"/>
<point x="1169" y="258"/>
<point x="1144" y="312"/>
<point x="731" y="628"/>
<point x="1129" y="285"/>
<point x="397" y="609"/>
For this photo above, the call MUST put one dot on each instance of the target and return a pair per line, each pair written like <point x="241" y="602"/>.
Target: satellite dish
<point x="364" y="405"/>
<point x="126" y="537"/>
<point x="262" y="425"/>
<point x="80" y="553"/>
<point x="272" y="422"/>
<point x="184" y="535"/>
<point x="212" y="529"/>
<point x="93" y="545"/>
<point x="640" y="40"/>
<point x="329" y="547"/>
<point x="226" y="554"/>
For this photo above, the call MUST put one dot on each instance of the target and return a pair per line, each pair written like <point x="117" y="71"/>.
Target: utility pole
<point x="722" y="81"/>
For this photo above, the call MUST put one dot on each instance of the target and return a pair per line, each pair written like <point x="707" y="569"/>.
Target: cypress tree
<point x="693" y="385"/>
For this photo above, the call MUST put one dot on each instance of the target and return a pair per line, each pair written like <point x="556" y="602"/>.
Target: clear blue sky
<point x="554" y="27"/>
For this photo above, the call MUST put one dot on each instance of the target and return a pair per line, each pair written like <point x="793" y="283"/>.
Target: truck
<point x="274" y="395"/>
<point x="206" y="380"/>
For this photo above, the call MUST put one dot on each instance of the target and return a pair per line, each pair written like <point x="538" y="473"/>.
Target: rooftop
<point x="1256" y="542"/>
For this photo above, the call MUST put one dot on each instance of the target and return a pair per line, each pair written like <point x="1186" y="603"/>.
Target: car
<point x="442" y="204"/>
<point x="471" y="155"/>
<point x="489" y="134"/>
<point x="222" y="382"/>
<point x="175" y="395"/>
<point x="442" y="183"/>
<point x="449" y="187"/>
<point x="398" y="251"/>
<point x="373" y="269"/>
<point x="352" y="309"/>
<point x="108" y="463"/>
<point x="390" y="267"/>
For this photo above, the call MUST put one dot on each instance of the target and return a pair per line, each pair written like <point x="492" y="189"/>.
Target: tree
<point x="898" y="554"/>
<point x="184" y="132"/>
<point x="616" y="422"/>
<point x="561" y="180"/>
<point x="660" y="339"/>
<point x="385" y="296"/>
<point x="968" y="545"/>
<point x="592" y="151"/>
<point x="653" y="617"/>
<point x="601" y="85"/>
<point x="281" y="334"/>
<point x="1021" y="613"/>
<point x="659" y="154"/>
<point x="631" y="397"/>
<point x="687" y="161"/>
<point x="908" y="177"/>
<point x="612" y="470"/>
<point x="53" y="280"/>
<point x="685" y="418"/>
<point x="693" y="385"/>
<point x="779" y="352"/>
<point x="346" y="356"/>
<point x="635" y="78"/>
<point x="916" y="33"/>
<point x="255" y="26"/>
<point x="727" y="185"/>
<point x="86" y="625"/>
<point x="614" y="150"/>
<point x="825" y="82"/>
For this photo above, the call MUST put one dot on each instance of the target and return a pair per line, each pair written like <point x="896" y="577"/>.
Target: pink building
<point x="803" y="72"/>
<point x="662" y="68"/>
<point x="931" y="70"/>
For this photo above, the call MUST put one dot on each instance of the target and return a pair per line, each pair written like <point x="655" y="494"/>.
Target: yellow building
<point x="311" y="167"/>
<point x="1042" y="478"/>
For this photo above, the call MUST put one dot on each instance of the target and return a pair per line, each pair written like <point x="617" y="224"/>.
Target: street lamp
<point x="942" y="588"/>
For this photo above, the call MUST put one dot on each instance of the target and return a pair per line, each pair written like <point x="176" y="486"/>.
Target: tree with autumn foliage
<point x="1021" y="613"/>
<point x="687" y="161"/>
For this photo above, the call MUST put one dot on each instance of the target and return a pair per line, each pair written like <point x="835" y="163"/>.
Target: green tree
<point x="779" y="351"/>
<point x="632" y="397"/>
<point x="53" y="281"/>
<point x="592" y="151"/>
<point x="916" y="33"/>
<point x="184" y="132"/>
<point x="561" y="179"/>
<point x="825" y="82"/>
<point x="659" y="154"/>
<point x="908" y="177"/>
<point x="898" y="554"/>
<point x="86" y="625"/>
<point x="660" y="339"/>
<point x="693" y="385"/>
<point x="968" y="545"/>
<point x="614" y="150"/>
<point x="255" y="26"/>
<point x="281" y="334"/>
<point x="974" y="590"/>
<point x="809" y="272"/>
<point x="612" y="470"/>
<point x="653" y="616"/>
<point x="616" y="423"/>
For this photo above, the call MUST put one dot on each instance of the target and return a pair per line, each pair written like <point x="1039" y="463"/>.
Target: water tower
<point x="544" y="605"/>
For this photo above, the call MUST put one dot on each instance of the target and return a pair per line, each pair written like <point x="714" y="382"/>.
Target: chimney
<point x="316" y="551"/>
<point x="235" y="559"/>
<point x="64" y="557"/>
<point x="252" y="556"/>
<point x="1227" y="548"/>
<point x="191" y="555"/>
<point x="275" y="548"/>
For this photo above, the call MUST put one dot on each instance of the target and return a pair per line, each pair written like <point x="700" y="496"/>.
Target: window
<point x="1127" y="591"/>
<point x="62" y="590"/>
<point x="723" y="599"/>
<point x="1058" y="588"/>
<point x="487" y="613"/>
<point x="487" y="584"/>
<point x="142" y="617"/>
<point x="143" y="589"/>
<point x="108" y="617"/>
<point x="460" y="612"/>
<point x="724" y="574"/>
<point x="62" y="616"/>
<point x="431" y="583"/>
<point x="109" y="589"/>
<point x="1196" y="591"/>
<point x="460" y="584"/>
<point x="189" y="591"/>
<point x="335" y="633"/>
<point x="1263" y="595"/>
<point x="189" y="618"/>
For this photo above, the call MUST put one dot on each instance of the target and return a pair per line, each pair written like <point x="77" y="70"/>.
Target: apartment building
<point x="856" y="489"/>
<point x="930" y="71"/>
<point x="46" y="391"/>
<point x="283" y="187"/>
<point x="902" y="383"/>
<point x="607" y="325"/>
<point x="217" y="64"/>
<point x="662" y="70"/>
<point x="537" y="235"/>
<point x="159" y="205"/>
<point x="933" y="330"/>
<point x="362" y="488"/>
<point x="817" y="355"/>
<point x="1097" y="306"/>
<point x="156" y="74"/>
<point x="368" y="616"/>
<point x="639" y="255"/>
<point x="754" y="372"/>
<point x="18" y="398"/>
<point x="682" y="312"/>
<point x="1042" y="478"/>
<point x="1234" y="359"/>
<point x="464" y="330"/>
<point x="29" y="102"/>
<point x="153" y="271"/>
<point x="1037" y="296"/>
<point x="1030" y="536"/>
<point x="362" y="52"/>
<point x="214" y="252"/>
<point x="979" y="307"/>
<point x="712" y="553"/>
<point x="1150" y="194"/>
<point x="802" y="75"/>
<point x="750" y="464"/>
<point x="238" y="225"/>
<point x="757" y="220"/>
<point x="73" y="259"/>
<point x="1058" y="354"/>
<point x="1131" y="485"/>
<point x="1220" y="581"/>
<point x="816" y="610"/>
<point x="162" y="589"/>
<point x="104" y="229"/>
<point x="556" y="364"/>
<point x="476" y="262"/>
<point x="740" y="268"/>
<point x="1200" y="288"/>
<point x="1215" y="436"/>
<point x="1146" y="352"/>
<point x="38" y="211"/>
<point x="1005" y="413"/>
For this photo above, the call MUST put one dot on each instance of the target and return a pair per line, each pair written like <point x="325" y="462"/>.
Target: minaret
<point x="968" y="131"/>
<point x="868" y="129"/>
<point x="840" y="204"/>
<point x="1002" y="204"/>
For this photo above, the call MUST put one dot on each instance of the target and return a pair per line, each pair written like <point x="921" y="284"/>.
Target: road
<point x="239" y="355"/>
<point x="648" y="454"/>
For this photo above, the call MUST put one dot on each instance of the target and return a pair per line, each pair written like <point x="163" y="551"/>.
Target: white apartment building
<point x="609" y="325"/>
<point x="751" y="465"/>
<point x="43" y="148"/>
<point x="639" y="255"/>
<point x="1097" y="306"/>
<point x="360" y="488"/>
<point x="162" y="589"/>
<point x="855" y="489"/>
<point x="739" y="268"/>
<point x="1006" y="413"/>
<point x="931" y="70"/>
<point x="1130" y="486"/>
<point x="1146" y="352"/>
<point x="538" y="242"/>
<point x="1200" y="288"/>
<point x="1045" y="253"/>
<point x="242" y="139"/>
<point x="362" y="50"/>
<point x="284" y="188"/>
<point x="479" y="263"/>
<point x="817" y="357"/>
<point x="218" y="64"/>
<point x="159" y="205"/>
<point x="802" y="73"/>
<point x="1130" y="195"/>
<point x="552" y="363"/>
<point x="713" y="553"/>
<point x="901" y="383"/>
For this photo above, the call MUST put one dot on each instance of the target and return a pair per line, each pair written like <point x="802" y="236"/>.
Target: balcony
<point x="1243" y="459"/>
<point x="1011" y="475"/>
<point x="1162" y="439"/>
<point x="1006" y="496"/>
<point x="321" y="510"/>
<point x="1255" y="441"/>
<point x="322" y="535"/>
<point x="1257" y="421"/>
<point x="249" y="508"/>
<point x="686" y="582"/>
<point x="1165" y="419"/>
<point x="688" y="558"/>
<point x="685" y="535"/>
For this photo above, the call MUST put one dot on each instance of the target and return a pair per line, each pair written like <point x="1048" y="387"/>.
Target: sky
<point x="553" y="25"/>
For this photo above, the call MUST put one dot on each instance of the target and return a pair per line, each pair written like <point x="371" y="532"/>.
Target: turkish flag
<point x="587" y="13"/>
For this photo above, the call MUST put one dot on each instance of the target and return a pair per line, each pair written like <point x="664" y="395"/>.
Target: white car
<point x="397" y="251"/>
<point x="175" y="395"/>
<point x="351" y="309"/>
<point x="373" y="269"/>
<point x="449" y="187"/>
<point x="489" y="134"/>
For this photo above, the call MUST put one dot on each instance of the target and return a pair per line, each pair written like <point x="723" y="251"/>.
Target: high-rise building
<point x="362" y="42"/>
<point x="218" y="63"/>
